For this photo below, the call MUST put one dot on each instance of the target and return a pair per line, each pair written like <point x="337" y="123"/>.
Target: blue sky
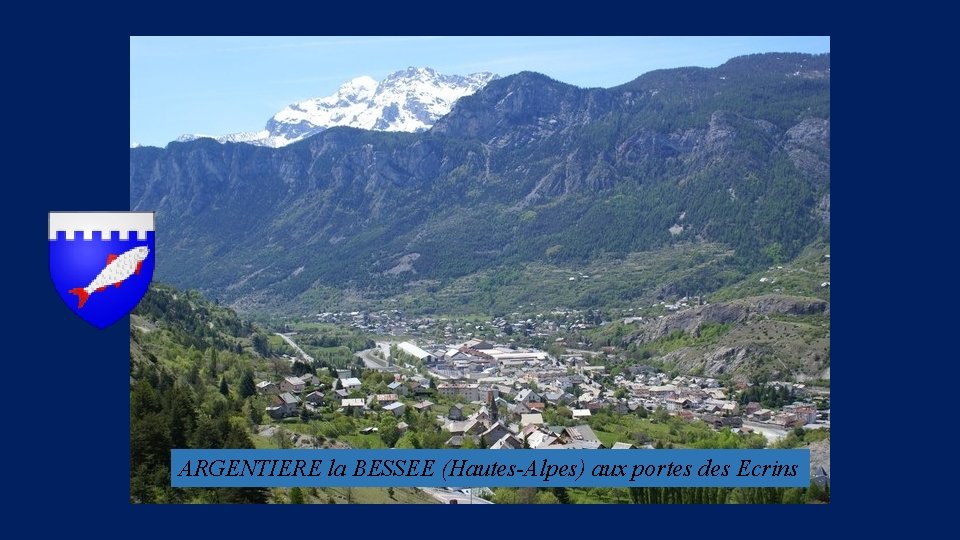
<point x="219" y="85"/>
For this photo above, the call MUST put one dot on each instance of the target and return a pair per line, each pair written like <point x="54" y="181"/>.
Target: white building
<point x="416" y="352"/>
<point x="350" y="383"/>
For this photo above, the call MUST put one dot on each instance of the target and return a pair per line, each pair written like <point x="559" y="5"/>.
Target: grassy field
<point x="610" y="282"/>
<point x="608" y="437"/>
<point x="804" y="276"/>
<point x="356" y="440"/>
<point x="277" y="343"/>
<point x="371" y="440"/>
<point x="629" y="428"/>
<point x="261" y="443"/>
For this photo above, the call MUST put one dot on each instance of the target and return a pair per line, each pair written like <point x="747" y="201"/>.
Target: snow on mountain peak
<point x="408" y="100"/>
<point x="359" y="86"/>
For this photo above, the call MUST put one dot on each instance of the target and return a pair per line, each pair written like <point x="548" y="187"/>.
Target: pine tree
<point x="296" y="496"/>
<point x="193" y="376"/>
<point x="247" y="386"/>
<point x="212" y="366"/>
<point x="181" y="415"/>
<point x="224" y="389"/>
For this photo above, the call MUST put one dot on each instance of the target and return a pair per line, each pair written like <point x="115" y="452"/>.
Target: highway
<point x="373" y="362"/>
<point x="306" y="357"/>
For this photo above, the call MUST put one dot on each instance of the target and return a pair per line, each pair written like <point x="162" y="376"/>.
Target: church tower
<point x="492" y="406"/>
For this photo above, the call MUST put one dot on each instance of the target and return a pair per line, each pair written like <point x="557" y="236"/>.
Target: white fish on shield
<point x="118" y="268"/>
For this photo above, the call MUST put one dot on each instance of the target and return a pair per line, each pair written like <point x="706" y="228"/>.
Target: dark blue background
<point x="66" y="121"/>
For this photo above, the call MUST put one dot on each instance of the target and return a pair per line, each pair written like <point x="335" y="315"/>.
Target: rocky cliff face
<point x="737" y="311"/>
<point x="766" y="334"/>
<point x="525" y="169"/>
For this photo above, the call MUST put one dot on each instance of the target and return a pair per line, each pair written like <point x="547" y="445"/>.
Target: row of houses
<point x="486" y="429"/>
<point x="524" y="382"/>
<point x="292" y="384"/>
<point x="569" y="380"/>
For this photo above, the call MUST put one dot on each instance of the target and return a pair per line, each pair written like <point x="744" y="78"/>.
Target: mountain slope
<point x="191" y="378"/>
<point x="526" y="170"/>
<point x="410" y="100"/>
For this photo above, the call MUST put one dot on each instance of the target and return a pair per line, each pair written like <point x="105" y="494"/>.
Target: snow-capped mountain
<point x="408" y="100"/>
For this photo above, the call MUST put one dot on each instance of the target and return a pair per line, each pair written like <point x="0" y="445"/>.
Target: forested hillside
<point x="191" y="386"/>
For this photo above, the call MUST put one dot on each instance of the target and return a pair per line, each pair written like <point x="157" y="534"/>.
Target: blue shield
<point x="101" y="263"/>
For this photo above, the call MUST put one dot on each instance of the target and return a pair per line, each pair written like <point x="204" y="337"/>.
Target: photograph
<point x="470" y="243"/>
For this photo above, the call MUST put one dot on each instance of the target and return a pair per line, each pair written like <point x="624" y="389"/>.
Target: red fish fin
<point x="101" y="289"/>
<point x="117" y="284"/>
<point x="81" y="295"/>
<point x="111" y="257"/>
<point x="139" y="266"/>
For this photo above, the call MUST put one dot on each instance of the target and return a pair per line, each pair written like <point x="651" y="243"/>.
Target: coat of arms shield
<point x="101" y="263"/>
